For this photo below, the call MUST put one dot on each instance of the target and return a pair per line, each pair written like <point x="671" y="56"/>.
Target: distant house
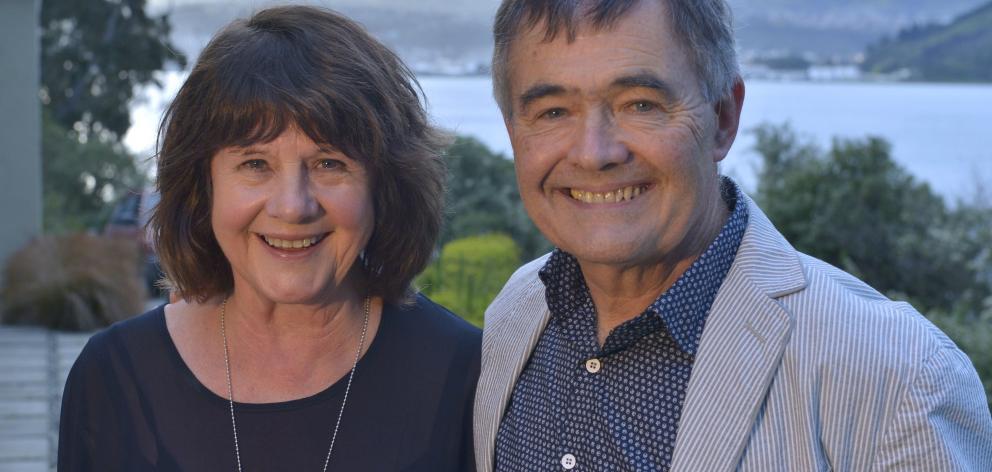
<point x="838" y="72"/>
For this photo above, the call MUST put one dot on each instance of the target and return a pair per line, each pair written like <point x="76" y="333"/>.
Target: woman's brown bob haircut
<point x="316" y="70"/>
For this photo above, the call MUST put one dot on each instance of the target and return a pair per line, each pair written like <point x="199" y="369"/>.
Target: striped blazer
<point x="800" y="367"/>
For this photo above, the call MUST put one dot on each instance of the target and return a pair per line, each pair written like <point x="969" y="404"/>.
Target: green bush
<point x="75" y="282"/>
<point x="482" y="198"/>
<point x="470" y="272"/>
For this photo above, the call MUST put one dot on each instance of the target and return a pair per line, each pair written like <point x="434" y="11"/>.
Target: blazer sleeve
<point x="942" y="422"/>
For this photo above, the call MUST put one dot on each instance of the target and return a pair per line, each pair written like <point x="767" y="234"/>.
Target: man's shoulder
<point x="853" y="322"/>
<point x="528" y="272"/>
<point x="523" y="289"/>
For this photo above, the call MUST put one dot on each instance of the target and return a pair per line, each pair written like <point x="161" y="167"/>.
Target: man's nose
<point x="293" y="199"/>
<point x="598" y="147"/>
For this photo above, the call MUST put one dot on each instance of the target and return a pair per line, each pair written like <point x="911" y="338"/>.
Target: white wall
<point x="20" y="125"/>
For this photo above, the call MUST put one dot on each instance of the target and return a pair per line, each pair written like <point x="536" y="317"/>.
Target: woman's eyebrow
<point x="247" y="150"/>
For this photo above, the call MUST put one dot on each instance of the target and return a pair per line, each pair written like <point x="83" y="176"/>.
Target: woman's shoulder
<point x="423" y="332"/>
<point x="125" y="335"/>
<point x="425" y="318"/>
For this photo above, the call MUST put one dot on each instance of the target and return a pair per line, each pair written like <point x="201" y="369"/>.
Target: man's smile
<point x="621" y="194"/>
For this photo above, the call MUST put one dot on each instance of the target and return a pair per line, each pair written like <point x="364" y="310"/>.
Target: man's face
<point x="615" y="146"/>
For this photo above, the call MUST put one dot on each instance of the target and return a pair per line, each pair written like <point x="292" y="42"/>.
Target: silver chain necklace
<point x="344" y="401"/>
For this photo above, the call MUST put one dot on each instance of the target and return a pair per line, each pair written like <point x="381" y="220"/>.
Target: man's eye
<point x="643" y="106"/>
<point x="553" y="114"/>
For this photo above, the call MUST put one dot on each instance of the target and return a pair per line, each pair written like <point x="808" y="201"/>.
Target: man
<point x="673" y="327"/>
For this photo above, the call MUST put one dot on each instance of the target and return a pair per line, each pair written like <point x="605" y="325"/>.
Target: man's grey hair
<point x="705" y="28"/>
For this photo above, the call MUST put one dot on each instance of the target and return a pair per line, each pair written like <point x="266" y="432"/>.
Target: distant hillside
<point x="449" y="35"/>
<point x="833" y="27"/>
<point x="426" y="39"/>
<point x="959" y="51"/>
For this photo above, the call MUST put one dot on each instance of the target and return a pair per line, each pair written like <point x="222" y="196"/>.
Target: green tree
<point x="855" y="208"/>
<point x="81" y="177"/>
<point x="94" y="56"/>
<point x="482" y="198"/>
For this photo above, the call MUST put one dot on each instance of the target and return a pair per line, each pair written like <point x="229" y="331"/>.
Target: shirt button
<point x="568" y="461"/>
<point x="593" y="365"/>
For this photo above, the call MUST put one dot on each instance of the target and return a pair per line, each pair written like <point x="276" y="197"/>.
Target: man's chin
<point x="615" y="254"/>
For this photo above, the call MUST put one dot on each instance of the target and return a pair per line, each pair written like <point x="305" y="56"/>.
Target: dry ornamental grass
<point x="76" y="282"/>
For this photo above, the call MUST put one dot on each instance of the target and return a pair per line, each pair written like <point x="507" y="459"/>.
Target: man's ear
<point x="728" y="118"/>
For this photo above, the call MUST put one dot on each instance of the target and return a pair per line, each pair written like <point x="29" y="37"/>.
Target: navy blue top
<point x="584" y="407"/>
<point x="132" y="404"/>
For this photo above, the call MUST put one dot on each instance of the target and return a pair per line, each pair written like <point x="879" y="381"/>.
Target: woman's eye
<point x="330" y="164"/>
<point x="255" y="165"/>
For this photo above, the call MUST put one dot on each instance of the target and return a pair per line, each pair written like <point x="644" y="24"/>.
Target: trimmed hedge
<point x="469" y="273"/>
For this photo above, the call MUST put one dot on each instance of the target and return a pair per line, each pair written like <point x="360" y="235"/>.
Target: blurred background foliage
<point x="92" y="61"/>
<point x="469" y="273"/>
<point x="482" y="198"/>
<point x="81" y="179"/>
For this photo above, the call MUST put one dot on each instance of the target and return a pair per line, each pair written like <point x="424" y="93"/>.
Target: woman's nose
<point x="293" y="199"/>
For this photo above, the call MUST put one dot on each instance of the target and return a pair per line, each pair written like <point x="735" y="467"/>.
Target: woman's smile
<point x="293" y="243"/>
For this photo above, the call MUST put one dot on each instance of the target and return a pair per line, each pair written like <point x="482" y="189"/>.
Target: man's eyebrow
<point x="642" y="80"/>
<point x="539" y="91"/>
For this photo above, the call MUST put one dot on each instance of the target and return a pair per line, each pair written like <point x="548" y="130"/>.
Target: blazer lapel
<point x="745" y="336"/>
<point x="514" y="323"/>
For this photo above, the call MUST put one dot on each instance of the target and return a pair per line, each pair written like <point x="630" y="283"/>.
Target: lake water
<point x="941" y="133"/>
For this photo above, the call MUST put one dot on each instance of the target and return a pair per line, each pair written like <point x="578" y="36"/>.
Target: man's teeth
<point x="614" y="196"/>
<point x="291" y="244"/>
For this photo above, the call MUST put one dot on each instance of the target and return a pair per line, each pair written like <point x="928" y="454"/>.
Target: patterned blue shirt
<point x="582" y="407"/>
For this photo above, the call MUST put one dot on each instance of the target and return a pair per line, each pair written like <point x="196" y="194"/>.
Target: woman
<point x="301" y="190"/>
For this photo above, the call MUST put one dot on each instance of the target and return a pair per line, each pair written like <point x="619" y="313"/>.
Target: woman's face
<point x="291" y="216"/>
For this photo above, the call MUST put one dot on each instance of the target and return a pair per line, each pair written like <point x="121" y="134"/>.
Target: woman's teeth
<point x="614" y="196"/>
<point x="291" y="244"/>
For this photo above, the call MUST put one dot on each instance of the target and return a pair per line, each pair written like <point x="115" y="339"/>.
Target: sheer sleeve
<point x="93" y="428"/>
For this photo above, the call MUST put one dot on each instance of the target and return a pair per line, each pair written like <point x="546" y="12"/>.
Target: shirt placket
<point x="581" y="430"/>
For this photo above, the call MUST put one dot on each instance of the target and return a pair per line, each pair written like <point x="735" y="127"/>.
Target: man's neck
<point x="622" y="293"/>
